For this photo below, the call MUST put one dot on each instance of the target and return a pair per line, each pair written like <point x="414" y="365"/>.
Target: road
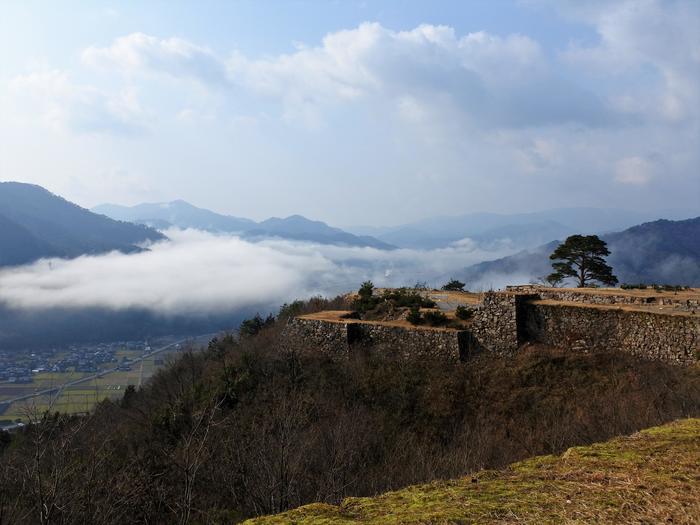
<point x="107" y="371"/>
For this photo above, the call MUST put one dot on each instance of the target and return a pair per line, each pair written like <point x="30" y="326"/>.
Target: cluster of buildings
<point x="19" y="366"/>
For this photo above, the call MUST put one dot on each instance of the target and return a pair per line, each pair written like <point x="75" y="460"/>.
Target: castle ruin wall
<point x="650" y="335"/>
<point x="341" y="339"/>
<point x="506" y="320"/>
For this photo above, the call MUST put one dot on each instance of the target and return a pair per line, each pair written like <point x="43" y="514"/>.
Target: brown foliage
<point x="243" y="429"/>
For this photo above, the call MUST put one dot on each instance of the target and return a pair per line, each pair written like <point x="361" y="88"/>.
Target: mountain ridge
<point x="37" y="223"/>
<point x="661" y="251"/>
<point x="182" y="214"/>
<point x="523" y="229"/>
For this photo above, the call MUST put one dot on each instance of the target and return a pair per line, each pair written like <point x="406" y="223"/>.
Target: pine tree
<point x="582" y="257"/>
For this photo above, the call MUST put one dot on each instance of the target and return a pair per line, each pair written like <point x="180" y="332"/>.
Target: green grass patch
<point x="650" y="477"/>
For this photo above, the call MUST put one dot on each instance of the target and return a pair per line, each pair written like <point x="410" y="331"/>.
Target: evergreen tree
<point x="582" y="257"/>
<point x="454" y="286"/>
<point x="366" y="290"/>
<point x="253" y="326"/>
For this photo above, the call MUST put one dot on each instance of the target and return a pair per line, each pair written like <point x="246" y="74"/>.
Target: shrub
<point x="366" y="300"/>
<point x="656" y="287"/>
<point x="640" y="286"/>
<point x="288" y="310"/>
<point x="414" y="316"/>
<point x="435" y="318"/>
<point x="407" y="298"/>
<point x="669" y="288"/>
<point x="454" y="286"/>
<point x="366" y="290"/>
<point x="252" y="326"/>
<point x="464" y="312"/>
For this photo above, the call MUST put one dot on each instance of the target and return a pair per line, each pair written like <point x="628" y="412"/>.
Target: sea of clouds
<point x="195" y="272"/>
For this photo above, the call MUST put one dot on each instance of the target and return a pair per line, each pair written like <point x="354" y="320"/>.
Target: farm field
<point x="81" y="397"/>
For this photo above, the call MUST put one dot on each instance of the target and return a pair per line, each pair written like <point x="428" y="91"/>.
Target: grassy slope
<point x="650" y="477"/>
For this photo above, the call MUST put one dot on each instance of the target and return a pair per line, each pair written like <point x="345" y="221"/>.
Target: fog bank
<point x="199" y="273"/>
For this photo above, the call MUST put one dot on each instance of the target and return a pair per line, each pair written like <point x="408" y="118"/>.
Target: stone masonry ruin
<point x="647" y="326"/>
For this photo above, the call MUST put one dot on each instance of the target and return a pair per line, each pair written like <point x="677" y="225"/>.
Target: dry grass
<point x="337" y="316"/>
<point x="650" y="477"/>
<point x="651" y="308"/>
<point x="690" y="293"/>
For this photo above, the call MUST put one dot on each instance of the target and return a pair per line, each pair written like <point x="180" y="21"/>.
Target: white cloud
<point x="411" y="109"/>
<point x="635" y="34"/>
<point x="62" y="104"/>
<point x="492" y="80"/>
<point x="537" y="155"/>
<point x="138" y="52"/>
<point x="193" y="116"/>
<point x="198" y="272"/>
<point x="432" y="120"/>
<point x="635" y="171"/>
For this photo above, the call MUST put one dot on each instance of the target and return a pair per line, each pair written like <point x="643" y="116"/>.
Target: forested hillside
<point x="253" y="426"/>
<point x="35" y="223"/>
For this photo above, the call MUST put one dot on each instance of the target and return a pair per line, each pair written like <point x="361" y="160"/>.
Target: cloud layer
<point x="378" y="122"/>
<point x="199" y="273"/>
<point x="63" y="104"/>
<point x="139" y="53"/>
<point x="492" y="80"/>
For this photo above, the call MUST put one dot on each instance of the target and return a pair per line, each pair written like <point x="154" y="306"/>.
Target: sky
<point x="354" y="112"/>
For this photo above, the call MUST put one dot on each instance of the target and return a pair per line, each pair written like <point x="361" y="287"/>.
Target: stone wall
<point x="651" y="335"/>
<point x="496" y="325"/>
<point x="326" y="336"/>
<point x="506" y="320"/>
<point x="450" y="344"/>
<point x="667" y="299"/>
<point x="343" y="338"/>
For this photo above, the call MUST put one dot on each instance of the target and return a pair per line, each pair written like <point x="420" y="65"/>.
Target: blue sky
<point x="354" y="112"/>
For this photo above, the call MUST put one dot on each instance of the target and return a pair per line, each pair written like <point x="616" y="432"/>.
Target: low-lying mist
<point x="197" y="273"/>
<point x="197" y="282"/>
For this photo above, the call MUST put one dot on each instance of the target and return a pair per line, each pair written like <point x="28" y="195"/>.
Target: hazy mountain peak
<point x="182" y="214"/>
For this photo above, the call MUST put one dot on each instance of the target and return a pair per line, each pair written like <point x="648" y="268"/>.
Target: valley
<point x="74" y="380"/>
<point x="350" y="262"/>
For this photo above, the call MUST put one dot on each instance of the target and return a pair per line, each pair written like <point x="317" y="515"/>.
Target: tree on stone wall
<point x="583" y="258"/>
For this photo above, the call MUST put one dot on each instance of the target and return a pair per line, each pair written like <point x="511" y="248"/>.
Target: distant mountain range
<point x="35" y="223"/>
<point x="178" y="214"/>
<point x="181" y="214"/>
<point x="662" y="251"/>
<point x="521" y="230"/>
